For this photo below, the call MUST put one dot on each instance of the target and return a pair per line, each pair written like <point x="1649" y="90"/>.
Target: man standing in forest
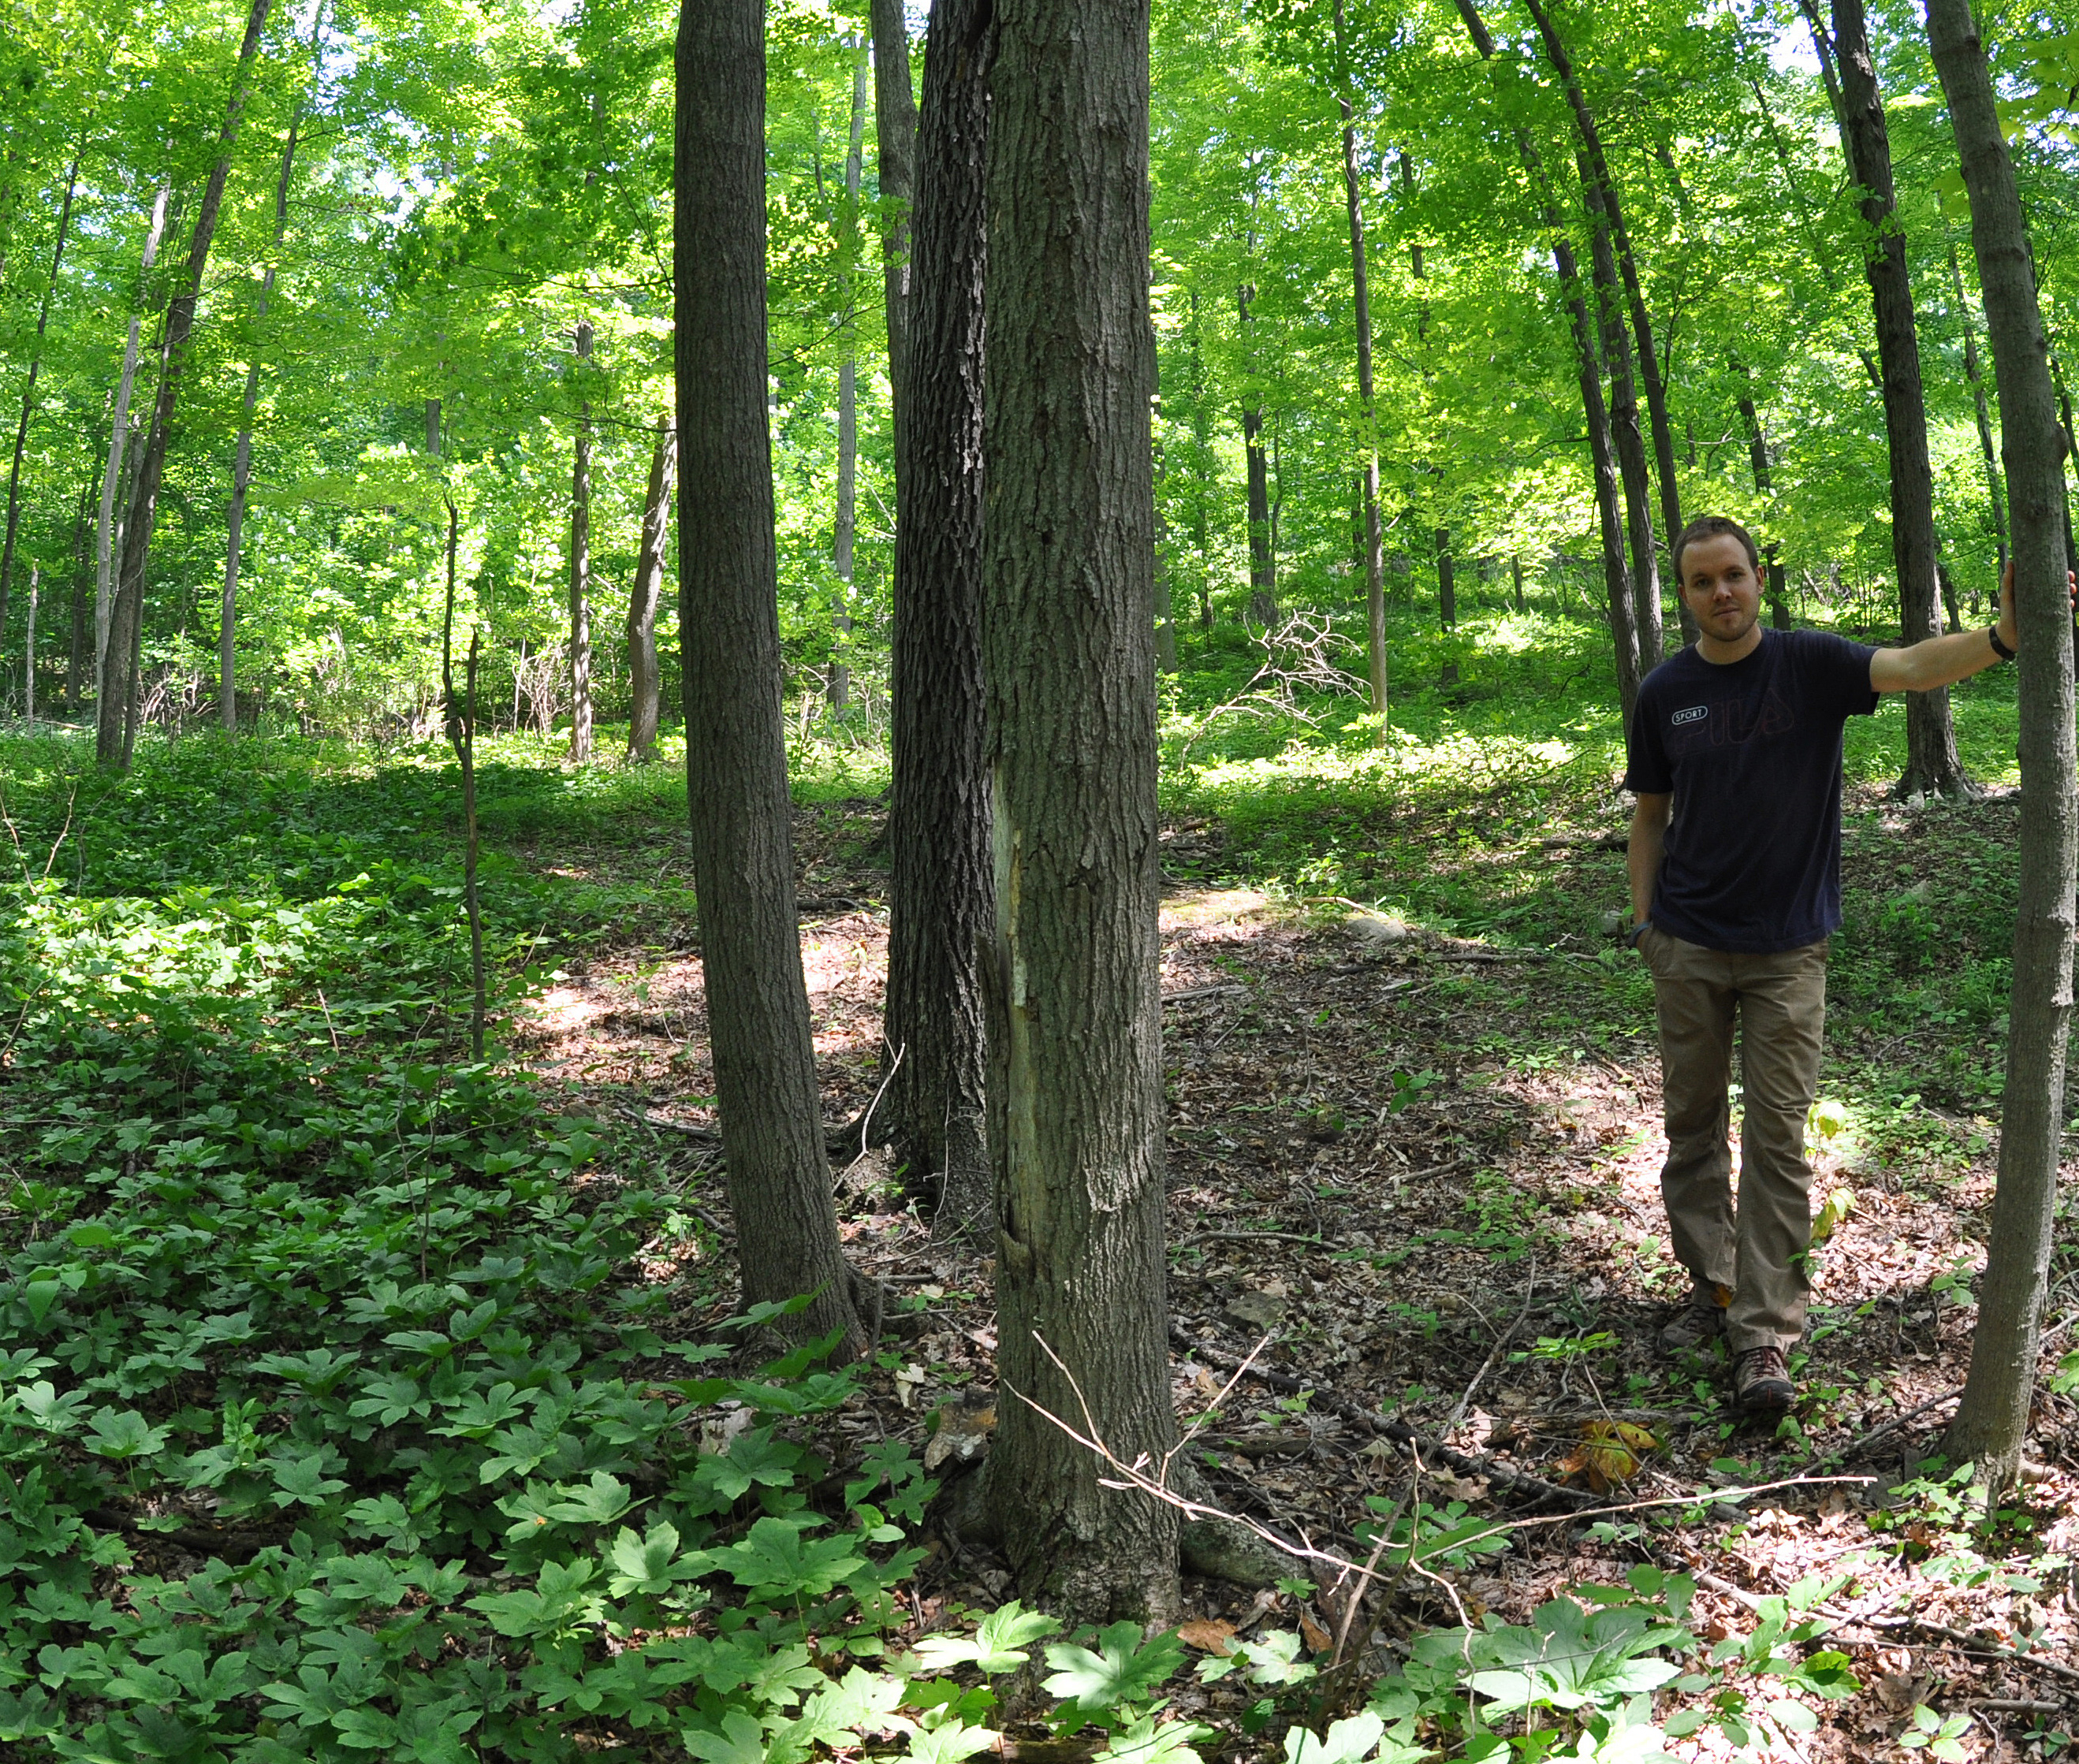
<point x="1735" y="862"/>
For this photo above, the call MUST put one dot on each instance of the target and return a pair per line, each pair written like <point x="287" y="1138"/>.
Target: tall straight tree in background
<point x="115" y="732"/>
<point x="1995" y="496"/>
<point x="729" y="624"/>
<point x="1932" y="766"/>
<point x="844" y="532"/>
<point x="105" y="528"/>
<point x="1375" y="561"/>
<point x="1992" y="1424"/>
<point x="895" y="136"/>
<point x="581" y="559"/>
<point x="1075" y="1078"/>
<point x="942" y="915"/>
<point x="29" y="391"/>
<point x="644" y="592"/>
<point x="1765" y="483"/>
<point x="241" y="468"/>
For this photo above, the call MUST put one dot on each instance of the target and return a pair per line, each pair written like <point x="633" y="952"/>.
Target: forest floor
<point x="1418" y="1171"/>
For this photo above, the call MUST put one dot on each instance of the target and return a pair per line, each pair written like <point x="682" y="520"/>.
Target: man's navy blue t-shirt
<point x="1751" y="750"/>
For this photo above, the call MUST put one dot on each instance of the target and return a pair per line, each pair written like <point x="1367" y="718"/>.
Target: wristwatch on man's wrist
<point x="1632" y="936"/>
<point x="1999" y="648"/>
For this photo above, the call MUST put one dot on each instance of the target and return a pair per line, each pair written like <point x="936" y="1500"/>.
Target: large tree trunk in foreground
<point x="942" y="915"/>
<point x="645" y="593"/>
<point x="581" y="563"/>
<point x="1932" y="767"/>
<point x="29" y="397"/>
<point x="115" y="733"/>
<point x="242" y="470"/>
<point x="105" y="529"/>
<point x="1992" y="1422"/>
<point x="729" y="624"/>
<point x="1076" y="1090"/>
<point x="895" y="132"/>
<point x="1375" y="561"/>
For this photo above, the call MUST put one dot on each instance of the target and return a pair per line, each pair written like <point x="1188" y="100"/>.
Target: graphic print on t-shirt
<point x="1729" y="721"/>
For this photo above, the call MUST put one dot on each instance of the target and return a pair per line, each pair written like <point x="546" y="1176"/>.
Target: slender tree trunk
<point x="1624" y="426"/>
<point x="1516" y="576"/>
<point x="1596" y="173"/>
<point x="116" y="736"/>
<point x="838" y="682"/>
<point x="119" y="441"/>
<point x="942" y="913"/>
<point x="1932" y="767"/>
<point x="1779" y="608"/>
<point x="75" y="654"/>
<point x="29" y="394"/>
<point x="1262" y="556"/>
<point x="29" y="653"/>
<point x="1374" y="557"/>
<point x="645" y="595"/>
<point x="1616" y="577"/>
<point x="1995" y="496"/>
<point x="242" y="470"/>
<point x="895" y="134"/>
<point x="581" y="563"/>
<point x="1202" y="456"/>
<point x="1076" y="1090"/>
<point x="728" y="625"/>
<point x="1992" y="1424"/>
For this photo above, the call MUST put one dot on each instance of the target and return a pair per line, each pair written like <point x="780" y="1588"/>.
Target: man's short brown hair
<point x="1715" y="527"/>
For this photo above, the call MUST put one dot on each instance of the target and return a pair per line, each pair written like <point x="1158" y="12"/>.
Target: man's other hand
<point x="2009" y="633"/>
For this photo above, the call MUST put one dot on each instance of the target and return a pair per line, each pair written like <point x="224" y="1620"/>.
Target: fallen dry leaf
<point x="1317" y="1639"/>
<point x="1208" y="1635"/>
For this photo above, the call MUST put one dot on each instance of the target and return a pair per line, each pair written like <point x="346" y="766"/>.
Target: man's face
<point x="1720" y="587"/>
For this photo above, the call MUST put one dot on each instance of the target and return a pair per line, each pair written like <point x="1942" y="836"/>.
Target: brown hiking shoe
<point x="1761" y="1380"/>
<point x="1701" y="1317"/>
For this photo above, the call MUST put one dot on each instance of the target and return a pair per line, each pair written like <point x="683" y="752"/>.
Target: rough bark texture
<point x="645" y="592"/>
<point x="581" y="563"/>
<point x="838" y="682"/>
<point x="1076" y="1092"/>
<point x="895" y="133"/>
<point x="241" y="469"/>
<point x="729" y="624"/>
<point x="1779" y="608"/>
<point x="119" y="441"/>
<point x="1995" y="497"/>
<point x="1374" y="559"/>
<point x="29" y="397"/>
<point x="1932" y="767"/>
<point x="1596" y="174"/>
<point x="1992" y="1423"/>
<point x="1625" y="430"/>
<point x="942" y="908"/>
<point x="116" y="734"/>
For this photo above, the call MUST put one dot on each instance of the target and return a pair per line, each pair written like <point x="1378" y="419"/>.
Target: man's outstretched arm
<point x="1940" y="661"/>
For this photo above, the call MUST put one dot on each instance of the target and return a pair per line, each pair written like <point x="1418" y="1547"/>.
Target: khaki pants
<point x="1780" y="1001"/>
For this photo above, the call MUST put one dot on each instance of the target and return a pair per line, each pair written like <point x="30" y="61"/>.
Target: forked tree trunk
<point x="1932" y="766"/>
<point x="941" y="907"/>
<point x="581" y="562"/>
<point x="1374" y="557"/>
<point x="1617" y="578"/>
<point x="116" y="735"/>
<point x="644" y="594"/>
<point x="29" y="396"/>
<point x="895" y="133"/>
<point x="1076" y="1092"/>
<point x="1597" y="173"/>
<point x="838" y="682"/>
<point x="1625" y="430"/>
<point x="241" y="469"/>
<point x="728" y="623"/>
<point x="1992" y="1424"/>
<point x="1779" y="607"/>
<point x="118" y="441"/>
<point x="1995" y="497"/>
